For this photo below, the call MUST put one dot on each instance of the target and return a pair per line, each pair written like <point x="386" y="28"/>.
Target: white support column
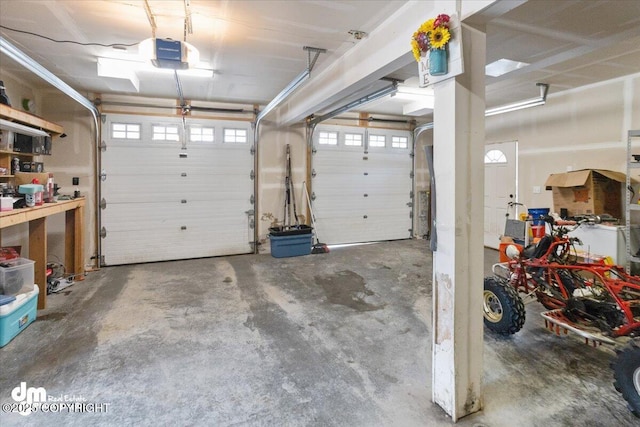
<point x="459" y="131"/>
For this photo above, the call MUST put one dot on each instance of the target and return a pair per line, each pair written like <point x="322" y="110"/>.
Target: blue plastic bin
<point x="537" y="214"/>
<point x="288" y="246"/>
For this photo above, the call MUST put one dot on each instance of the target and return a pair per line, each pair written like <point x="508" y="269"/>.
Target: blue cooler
<point x="17" y="315"/>
<point x="537" y="214"/>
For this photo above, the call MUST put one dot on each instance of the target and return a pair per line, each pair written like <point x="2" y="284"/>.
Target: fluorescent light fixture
<point x="513" y="107"/>
<point x="533" y="102"/>
<point x="423" y="99"/>
<point x="503" y="66"/>
<point x="17" y="127"/>
<point x="414" y="92"/>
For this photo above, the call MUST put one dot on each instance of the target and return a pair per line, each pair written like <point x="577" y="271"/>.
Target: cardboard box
<point x="27" y="178"/>
<point x="588" y="192"/>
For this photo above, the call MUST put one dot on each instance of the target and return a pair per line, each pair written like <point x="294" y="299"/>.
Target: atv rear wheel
<point x="502" y="307"/>
<point x="626" y="372"/>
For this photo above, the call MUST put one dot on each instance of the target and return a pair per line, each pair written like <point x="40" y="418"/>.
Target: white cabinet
<point x="606" y="240"/>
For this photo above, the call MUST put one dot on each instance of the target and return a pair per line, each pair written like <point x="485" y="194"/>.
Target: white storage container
<point x="14" y="274"/>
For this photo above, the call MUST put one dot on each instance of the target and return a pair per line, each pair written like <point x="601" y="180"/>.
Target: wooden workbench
<point x="74" y="238"/>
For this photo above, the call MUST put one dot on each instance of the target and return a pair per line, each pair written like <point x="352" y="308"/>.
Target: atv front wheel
<point x="502" y="307"/>
<point x="626" y="372"/>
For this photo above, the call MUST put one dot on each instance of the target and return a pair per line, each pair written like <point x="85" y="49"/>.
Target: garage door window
<point x="353" y="139"/>
<point x="235" y="136"/>
<point x="399" y="142"/>
<point x="165" y="133"/>
<point x="377" y="140"/>
<point x="201" y="134"/>
<point x="328" y="138"/>
<point x="125" y="131"/>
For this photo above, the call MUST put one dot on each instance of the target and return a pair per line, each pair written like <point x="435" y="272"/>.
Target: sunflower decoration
<point x="432" y="34"/>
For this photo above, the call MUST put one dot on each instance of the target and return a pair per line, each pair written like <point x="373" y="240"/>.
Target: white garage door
<point x="362" y="184"/>
<point x="165" y="201"/>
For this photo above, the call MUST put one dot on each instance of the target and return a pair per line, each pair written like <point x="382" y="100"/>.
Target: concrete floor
<point x="339" y="339"/>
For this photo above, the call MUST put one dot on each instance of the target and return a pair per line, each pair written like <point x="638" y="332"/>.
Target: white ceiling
<point x="256" y="47"/>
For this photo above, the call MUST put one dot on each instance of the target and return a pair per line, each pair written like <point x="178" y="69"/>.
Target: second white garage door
<point x="362" y="184"/>
<point x="166" y="201"/>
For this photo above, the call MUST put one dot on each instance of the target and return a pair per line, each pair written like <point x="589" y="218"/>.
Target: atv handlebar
<point x="593" y="219"/>
<point x="561" y="227"/>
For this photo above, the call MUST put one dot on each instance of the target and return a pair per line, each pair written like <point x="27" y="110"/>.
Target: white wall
<point x="271" y="175"/>
<point x="72" y="156"/>
<point x="576" y="129"/>
<point x="17" y="90"/>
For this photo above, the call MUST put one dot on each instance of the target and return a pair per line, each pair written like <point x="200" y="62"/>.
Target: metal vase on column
<point x="438" y="65"/>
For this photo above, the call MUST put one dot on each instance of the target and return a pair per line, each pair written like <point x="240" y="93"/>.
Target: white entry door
<point x="500" y="187"/>
<point x="362" y="184"/>
<point x="165" y="201"/>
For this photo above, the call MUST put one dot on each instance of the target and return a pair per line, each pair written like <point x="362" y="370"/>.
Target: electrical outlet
<point x="536" y="189"/>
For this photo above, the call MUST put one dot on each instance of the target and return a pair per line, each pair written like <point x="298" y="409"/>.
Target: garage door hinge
<point x="252" y="199"/>
<point x="103" y="175"/>
<point x="411" y="194"/>
<point x="103" y="204"/>
<point x="252" y="224"/>
<point x="103" y="146"/>
<point x="253" y="150"/>
<point x="102" y="262"/>
<point x="103" y="232"/>
<point x="410" y="214"/>
<point x="313" y="173"/>
<point x="313" y="196"/>
<point x="411" y="174"/>
<point x="412" y="154"/>
<point x="410" y="230"/>
<point x="410" y="204"/>
<point x="314" y="150"/>
<point x="252" y="175"/>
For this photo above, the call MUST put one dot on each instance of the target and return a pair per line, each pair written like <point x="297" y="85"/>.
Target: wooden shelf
<point x="36" y="217"/>
<point x="29" y="119"/>
<point x="17" y="153"/>
<point x="26" y="123"/>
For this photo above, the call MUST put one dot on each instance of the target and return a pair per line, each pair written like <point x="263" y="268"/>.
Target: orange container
<point x="503" y="250"/>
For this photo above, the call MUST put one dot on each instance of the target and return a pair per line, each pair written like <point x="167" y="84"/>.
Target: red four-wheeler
<point x="597" y="301"/>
